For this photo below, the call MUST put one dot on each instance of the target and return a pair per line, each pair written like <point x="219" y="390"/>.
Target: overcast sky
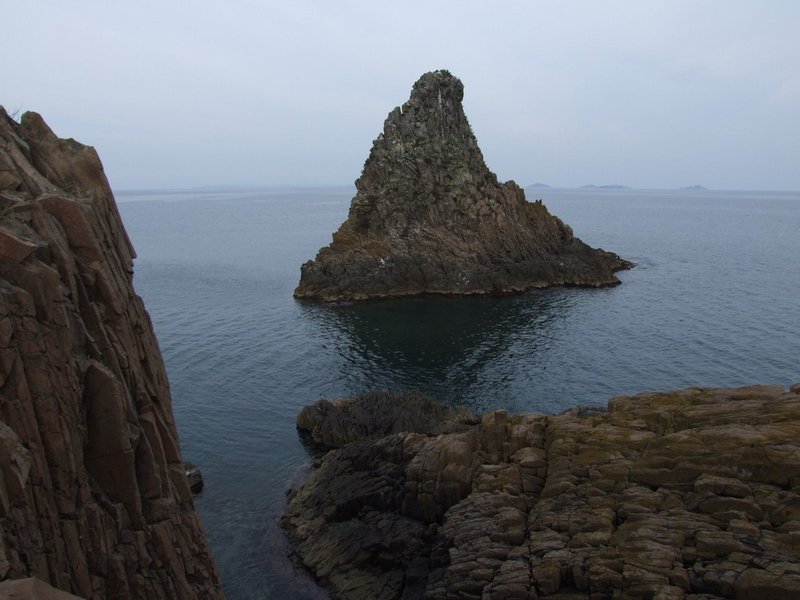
<point x="649" y="94"/>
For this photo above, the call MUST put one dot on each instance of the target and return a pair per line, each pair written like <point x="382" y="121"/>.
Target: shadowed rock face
<point x="430" y="218"/>
<point x="94" y="498"/>
<point x="694" y="493"/>
<point x="332" y="424"/>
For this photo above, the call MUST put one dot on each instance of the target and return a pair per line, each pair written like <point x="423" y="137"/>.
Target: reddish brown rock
<point x="93" y="495"/>
<point x="688" y="494"/>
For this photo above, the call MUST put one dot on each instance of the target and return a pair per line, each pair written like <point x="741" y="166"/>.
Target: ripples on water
<point x="712" y="302"/>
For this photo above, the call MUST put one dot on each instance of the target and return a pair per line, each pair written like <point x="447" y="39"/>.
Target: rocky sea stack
<point x="94" y="496"/>
<point x="430" y="218"/>
<point x="693" y="494"/>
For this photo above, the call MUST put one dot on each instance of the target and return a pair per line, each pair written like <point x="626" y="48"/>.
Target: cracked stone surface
<point x="686" y="494"/>
<point x="94" y="498"/>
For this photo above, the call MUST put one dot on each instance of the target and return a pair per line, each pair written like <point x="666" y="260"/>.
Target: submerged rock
<point x="94" y="498"/>
<point x="430" y="218"/>
<point x="694" y="493"/>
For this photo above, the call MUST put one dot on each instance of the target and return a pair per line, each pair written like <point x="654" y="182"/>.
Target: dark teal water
<point x="714" y="301"/>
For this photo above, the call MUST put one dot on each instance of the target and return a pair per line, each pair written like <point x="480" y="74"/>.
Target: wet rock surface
<point x="686" y="494"/>
<point x="429" y="217"/>
<point x="94" y="498"/>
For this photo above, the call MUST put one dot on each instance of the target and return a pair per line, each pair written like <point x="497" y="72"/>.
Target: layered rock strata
<point x="94" y="498"/>
<point x="687" y="494"/>
<point x="430" y="218"/>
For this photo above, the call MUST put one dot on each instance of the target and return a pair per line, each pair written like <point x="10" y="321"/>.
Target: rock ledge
<point x="686" y="494"/>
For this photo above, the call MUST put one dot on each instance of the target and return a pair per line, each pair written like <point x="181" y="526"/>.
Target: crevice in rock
<point x="95" y="516"/>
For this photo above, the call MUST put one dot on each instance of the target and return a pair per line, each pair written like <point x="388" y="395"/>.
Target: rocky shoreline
<point x="429" y="217"/>
<point x="686" y="494"/>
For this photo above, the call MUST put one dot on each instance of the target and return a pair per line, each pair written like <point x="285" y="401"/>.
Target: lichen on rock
<point x="429" y="217"/>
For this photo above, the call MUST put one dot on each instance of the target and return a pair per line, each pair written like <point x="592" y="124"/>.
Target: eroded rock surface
<point x="94" y="498"/>
<point x="430" y="218"/>
<point x="688" y="494"/>
<point x="333" y="423"/>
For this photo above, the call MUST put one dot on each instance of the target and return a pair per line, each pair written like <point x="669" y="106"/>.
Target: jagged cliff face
<point x="430" y="217"/>
<point x="93" y="492"/>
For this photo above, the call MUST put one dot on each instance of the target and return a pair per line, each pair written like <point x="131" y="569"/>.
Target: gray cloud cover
<point x="649" y="94"/>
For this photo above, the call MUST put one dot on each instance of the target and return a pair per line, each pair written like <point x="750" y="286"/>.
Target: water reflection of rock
<point x="460" y="350"/>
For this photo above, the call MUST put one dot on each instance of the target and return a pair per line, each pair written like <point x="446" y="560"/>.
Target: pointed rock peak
<point x="429" y="217"/>
<point x="437" y="86"/>
<point x="433" y="111"/>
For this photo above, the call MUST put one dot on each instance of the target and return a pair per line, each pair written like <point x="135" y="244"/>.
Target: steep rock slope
<point x="429" y="217"/>
<point x="687" y="494"/>
<point x="93" y="495"/>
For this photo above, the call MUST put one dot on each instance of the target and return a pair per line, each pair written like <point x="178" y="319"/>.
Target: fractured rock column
<point x="93" y="496"/>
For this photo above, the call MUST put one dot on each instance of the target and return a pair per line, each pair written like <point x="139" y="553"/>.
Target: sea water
<point x="714" y="300"/>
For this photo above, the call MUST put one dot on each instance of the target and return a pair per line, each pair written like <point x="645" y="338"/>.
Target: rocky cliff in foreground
<point x="430" y="218"/>
<point x="93" y="492"/>
<point x="688" y="494"/>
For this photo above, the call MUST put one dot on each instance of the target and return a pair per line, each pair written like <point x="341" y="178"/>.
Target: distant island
<point x="591" y="186"/>
<point x="538" y="186"/>
<point x="695" y="188"/>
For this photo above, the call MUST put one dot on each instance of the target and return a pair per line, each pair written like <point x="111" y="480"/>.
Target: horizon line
<point x="223" y="187"/>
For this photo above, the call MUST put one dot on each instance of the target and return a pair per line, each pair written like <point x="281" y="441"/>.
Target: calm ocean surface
<point x="714" y="301"/>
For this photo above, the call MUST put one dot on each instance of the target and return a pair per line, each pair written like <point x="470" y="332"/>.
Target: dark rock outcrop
<point x="430" y="218"/>
<point x="94" y="498"/>
<point x="688" y="494"/>
<point x="334" y="423"/>
<point x="194" y="477"/>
